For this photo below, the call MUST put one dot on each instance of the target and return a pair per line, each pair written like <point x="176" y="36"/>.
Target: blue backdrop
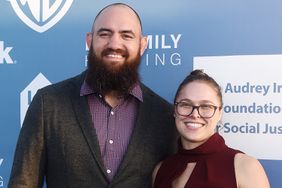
<point x="38" y="48"/>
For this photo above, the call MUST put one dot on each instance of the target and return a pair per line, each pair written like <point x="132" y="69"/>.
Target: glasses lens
<point x="207" y="111"/>
<point x="184" y="108"/>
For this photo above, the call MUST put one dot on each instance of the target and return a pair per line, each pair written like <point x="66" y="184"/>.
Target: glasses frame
<point x="197" y="108"/>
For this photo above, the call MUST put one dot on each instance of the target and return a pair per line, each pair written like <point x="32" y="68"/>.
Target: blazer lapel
<point x="81" y="109"/>
<point x="143" y="118"/>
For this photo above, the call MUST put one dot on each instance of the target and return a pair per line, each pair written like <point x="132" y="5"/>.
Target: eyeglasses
<point x="184" y="108"/>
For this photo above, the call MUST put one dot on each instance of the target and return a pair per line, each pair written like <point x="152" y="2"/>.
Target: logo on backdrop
<point x="162" y="50"/>
<point x="41" y="15"/>
<point x="5" y="54"/>
<point x="1" y="179"/>
<point x="28" y="93"/>
<point x="1" y="182"/>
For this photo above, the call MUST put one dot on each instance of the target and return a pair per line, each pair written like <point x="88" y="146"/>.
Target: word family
<point x="163" y="41"/>
<point x="162" y="50"/>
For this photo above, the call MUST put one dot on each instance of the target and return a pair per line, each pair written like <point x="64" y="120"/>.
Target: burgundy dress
<point x="214" y="166"/>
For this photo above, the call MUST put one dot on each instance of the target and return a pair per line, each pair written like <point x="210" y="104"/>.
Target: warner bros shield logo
<point x="41" y="15"/>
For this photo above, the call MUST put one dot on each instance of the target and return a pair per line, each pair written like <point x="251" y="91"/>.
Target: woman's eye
<point x="185" y="105"/>
<point x="206" y="106"/>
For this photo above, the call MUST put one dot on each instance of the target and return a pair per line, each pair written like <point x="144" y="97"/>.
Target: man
<point x="102" y="128"/>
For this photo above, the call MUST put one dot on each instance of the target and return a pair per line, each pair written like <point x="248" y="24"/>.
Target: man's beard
<point x="104" y="79"/>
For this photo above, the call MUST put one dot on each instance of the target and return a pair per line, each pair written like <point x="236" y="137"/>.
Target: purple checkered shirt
<point x="113" y="125"/>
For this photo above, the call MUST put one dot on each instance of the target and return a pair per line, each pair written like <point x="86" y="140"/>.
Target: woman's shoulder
<point x="249" y="172"/>
<point x="245" y="161"/>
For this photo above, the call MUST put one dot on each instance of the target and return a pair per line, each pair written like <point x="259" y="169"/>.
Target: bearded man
<point x="102" y="128"/>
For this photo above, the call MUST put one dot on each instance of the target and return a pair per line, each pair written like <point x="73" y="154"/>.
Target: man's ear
<point x="143" y="45"/>
<point x="89" y="39"/>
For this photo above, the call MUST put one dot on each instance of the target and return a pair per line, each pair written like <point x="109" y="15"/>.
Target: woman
<point x="203" y="159"/>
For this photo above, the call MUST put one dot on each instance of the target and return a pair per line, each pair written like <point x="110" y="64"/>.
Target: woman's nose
<point x="195" y="112"/>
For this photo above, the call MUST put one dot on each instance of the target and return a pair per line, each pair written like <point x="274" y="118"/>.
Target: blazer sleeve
<point x="28" y="168"/>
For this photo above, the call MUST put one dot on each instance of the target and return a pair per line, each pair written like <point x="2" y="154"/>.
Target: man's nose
<point x="115" y="42"/>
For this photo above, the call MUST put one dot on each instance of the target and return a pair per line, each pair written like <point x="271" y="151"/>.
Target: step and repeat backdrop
<point x="238" y="42"/>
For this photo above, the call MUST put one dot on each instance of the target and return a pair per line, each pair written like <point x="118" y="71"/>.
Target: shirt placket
<point x="111" y="142"/>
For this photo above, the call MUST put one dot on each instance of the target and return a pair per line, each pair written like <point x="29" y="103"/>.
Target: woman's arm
<point x="249" y="172"/>
<point x="156" y="169"/>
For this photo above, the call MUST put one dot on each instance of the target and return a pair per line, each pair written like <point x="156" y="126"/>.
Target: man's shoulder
<point x="72" y="84"/>
<point x="151" y="96"/>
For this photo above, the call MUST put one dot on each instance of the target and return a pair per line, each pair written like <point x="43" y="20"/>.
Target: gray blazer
<point x="58" y="142"/>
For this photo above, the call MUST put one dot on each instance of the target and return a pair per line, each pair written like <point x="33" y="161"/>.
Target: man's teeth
<point x="115" y="55"/>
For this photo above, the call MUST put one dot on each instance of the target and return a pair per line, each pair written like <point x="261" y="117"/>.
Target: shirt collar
<point x="135" y="92"/>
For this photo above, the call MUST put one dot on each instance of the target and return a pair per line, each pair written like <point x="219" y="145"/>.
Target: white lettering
<point x="4" y="54"/>
<point x="163" y="41"/>
<point x="160" y="59"/>
<point x="175" y="59"/>
<point x="164" y="46"/>
<point x="175" y="40"/>
<point x="150" y="41"/>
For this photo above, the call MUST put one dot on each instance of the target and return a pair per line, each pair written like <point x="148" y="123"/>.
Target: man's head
<point x="116" y="46"/>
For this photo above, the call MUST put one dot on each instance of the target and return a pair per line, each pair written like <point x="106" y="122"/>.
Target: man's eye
<point x="104" y="34"/>
<point x="127" y="36"/>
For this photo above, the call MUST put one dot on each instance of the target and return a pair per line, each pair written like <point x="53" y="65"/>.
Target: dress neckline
<point x="214" y="144"/>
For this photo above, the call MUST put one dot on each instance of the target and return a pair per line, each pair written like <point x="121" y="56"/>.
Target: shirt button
<point x="111" y="141"/>
<point x="112" y="113"/>
<point x="109" y="171"/>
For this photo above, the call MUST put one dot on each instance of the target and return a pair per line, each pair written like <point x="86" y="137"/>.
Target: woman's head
<point x="199" y="75"/>
<point x="198" y="104"/>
